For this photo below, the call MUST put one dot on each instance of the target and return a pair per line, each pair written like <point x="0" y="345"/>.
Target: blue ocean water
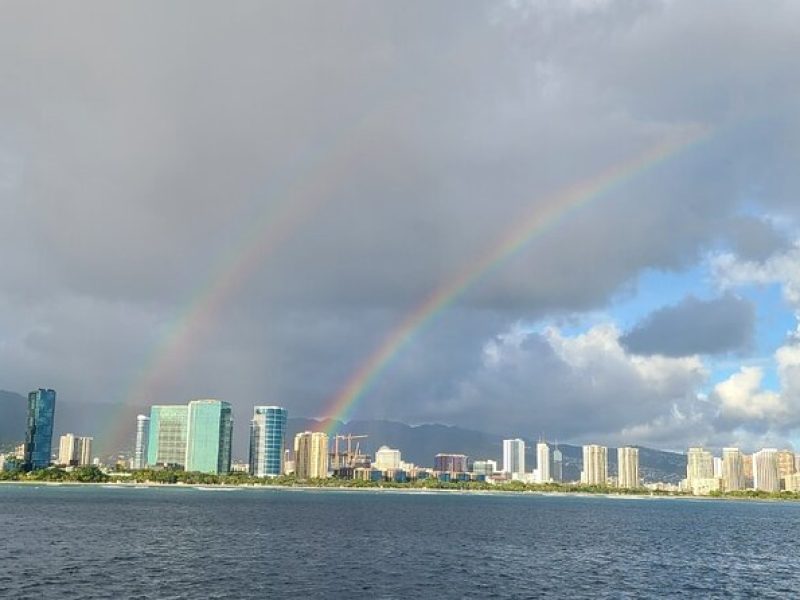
<point x="177" y="542"/>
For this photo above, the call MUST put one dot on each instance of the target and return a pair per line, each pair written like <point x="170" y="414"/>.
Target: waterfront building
<point x="558" y="465"/>
<point x="311" y="455"/>
<point x="792" y="483"/>
<point x="700" y="479"/>
<point x="732" y="470"/>
<point x="765" y="470"/>
<point x="785" y="460"/>
<point x="542" y="463"/>
<point x="628" y="468"/>
<point x="699" y="464"/>
<point x="166" y="445"/>
<point x="39" y="430"/>
<point x="514" y="458"/>
<point x="450" y="463"/>
<point x="717" y="465"/>
<point x="288" y="462"/>
<point x="484" y="467"/>
<point x="209" y="433"/>
<point x="74" y="450"/>
<point x="595" y="465"/>
<point x="142" y="438"/>
<point x="747" y="470"/>
<point x="387" y="459"/>
<point x="268" y="441"/>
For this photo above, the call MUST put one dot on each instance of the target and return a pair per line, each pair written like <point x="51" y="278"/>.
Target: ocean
<point x="182" y="542"/>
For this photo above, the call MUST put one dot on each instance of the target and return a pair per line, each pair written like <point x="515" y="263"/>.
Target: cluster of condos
<point x="197" y="436"/>
<point x="768" y="470"/>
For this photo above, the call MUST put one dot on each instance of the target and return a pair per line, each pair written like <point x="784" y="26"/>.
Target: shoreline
<point x="383" y="490"/>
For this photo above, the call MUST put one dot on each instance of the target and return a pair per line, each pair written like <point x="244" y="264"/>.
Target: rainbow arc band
<point x="544" y="216"/>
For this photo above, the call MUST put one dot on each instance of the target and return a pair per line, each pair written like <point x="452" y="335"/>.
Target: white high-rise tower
<point x="543" y="463"/>
<point x="514" y="458"/>
<point x="142" y="438"/>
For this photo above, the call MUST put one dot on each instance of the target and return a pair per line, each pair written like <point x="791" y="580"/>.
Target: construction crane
<point x="349" y="459"/>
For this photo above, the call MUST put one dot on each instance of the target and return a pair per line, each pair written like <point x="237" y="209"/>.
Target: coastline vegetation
<point x="92" y="474"/>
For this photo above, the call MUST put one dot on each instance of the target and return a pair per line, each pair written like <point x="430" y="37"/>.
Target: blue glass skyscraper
<point x="39" y="431"/>
<point x="267" y="440"/>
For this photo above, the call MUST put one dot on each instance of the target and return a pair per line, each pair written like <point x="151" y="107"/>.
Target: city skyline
<point x="197" y="438"/>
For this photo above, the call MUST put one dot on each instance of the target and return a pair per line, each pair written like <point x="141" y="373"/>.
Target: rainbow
<point x="182" y="336"/>
<point x="545" y="216"/>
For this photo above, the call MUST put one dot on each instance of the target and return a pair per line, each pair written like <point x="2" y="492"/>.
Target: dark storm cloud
<point x="756" y="239"/>
<point x="695" y="326"/>
<point x="140" y="145"/>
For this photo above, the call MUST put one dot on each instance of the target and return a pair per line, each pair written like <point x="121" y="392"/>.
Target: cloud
<point x="695" y="326"/>
<point x="741" y="397"/>
<point x="783" y="268"/>
<point x="576" y="387"/>
<point x="141" y="159"/>
<point x="756" y="239"/>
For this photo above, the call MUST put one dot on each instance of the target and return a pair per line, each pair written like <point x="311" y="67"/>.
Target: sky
<point x="251" y="201"/>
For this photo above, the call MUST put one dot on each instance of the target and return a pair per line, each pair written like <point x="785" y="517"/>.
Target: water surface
<point x="180" y="542"/>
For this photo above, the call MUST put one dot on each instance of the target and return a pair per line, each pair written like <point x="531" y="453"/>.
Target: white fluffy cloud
<point x="743" y="397"/>
<point x="580" y="386"/>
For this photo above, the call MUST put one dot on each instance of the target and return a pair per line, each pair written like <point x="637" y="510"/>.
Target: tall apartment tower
<point x="732" y="470"/>
<point x="765" y="470"/>
<point x="450" y="463"/>
<point x="209" y="433"/>
<point x="39" y="430"/>
<point x="699" y="464"/>
<point x="514" y="458"/>
<point x="786" y="466"/>
<point x="628" y="468"/>
<point x="558" y="465"/>
<point x="142" y="437"/>
<point x="166" y="443"/>
<point x="311" y="455"/>
<point x="267" y="441"/>
<point x="595" y="465"/>
<point x="74" y="450"/>
<point x="543" y="462"/>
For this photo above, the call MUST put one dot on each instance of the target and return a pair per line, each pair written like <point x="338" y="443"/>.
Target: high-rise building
<point x="74" y="450"/>
<point x="39" y="431"/>
<point x="765" y="470"/>
<point x="142" y="437"/>
<point x="484" y="467"/>
<point x="543" y="462"/>
<point x="268" y="441"/>
<point x="700" y="471"/>
<point x="209" y="432"/>
<point x="311" y="455"/>
<point x="166" y="443"/>
<point x="628" y="468"/>
<point x="387" y="459"/>
<point x="514" y="458"/>
<point x="595" y="465"/>
<point x="450" y="463"/>
<point x="699" y="464"/>
<point x="732" y="470"/>
<point x="558" y="465"/>
<point x="786" y="466"/>
<point x="747" y="470"/>
<point x="717" y="464"/>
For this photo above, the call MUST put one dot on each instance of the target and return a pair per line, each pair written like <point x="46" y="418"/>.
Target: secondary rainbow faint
<point x="266" y="233"/>
<point x="546" y="214"/>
